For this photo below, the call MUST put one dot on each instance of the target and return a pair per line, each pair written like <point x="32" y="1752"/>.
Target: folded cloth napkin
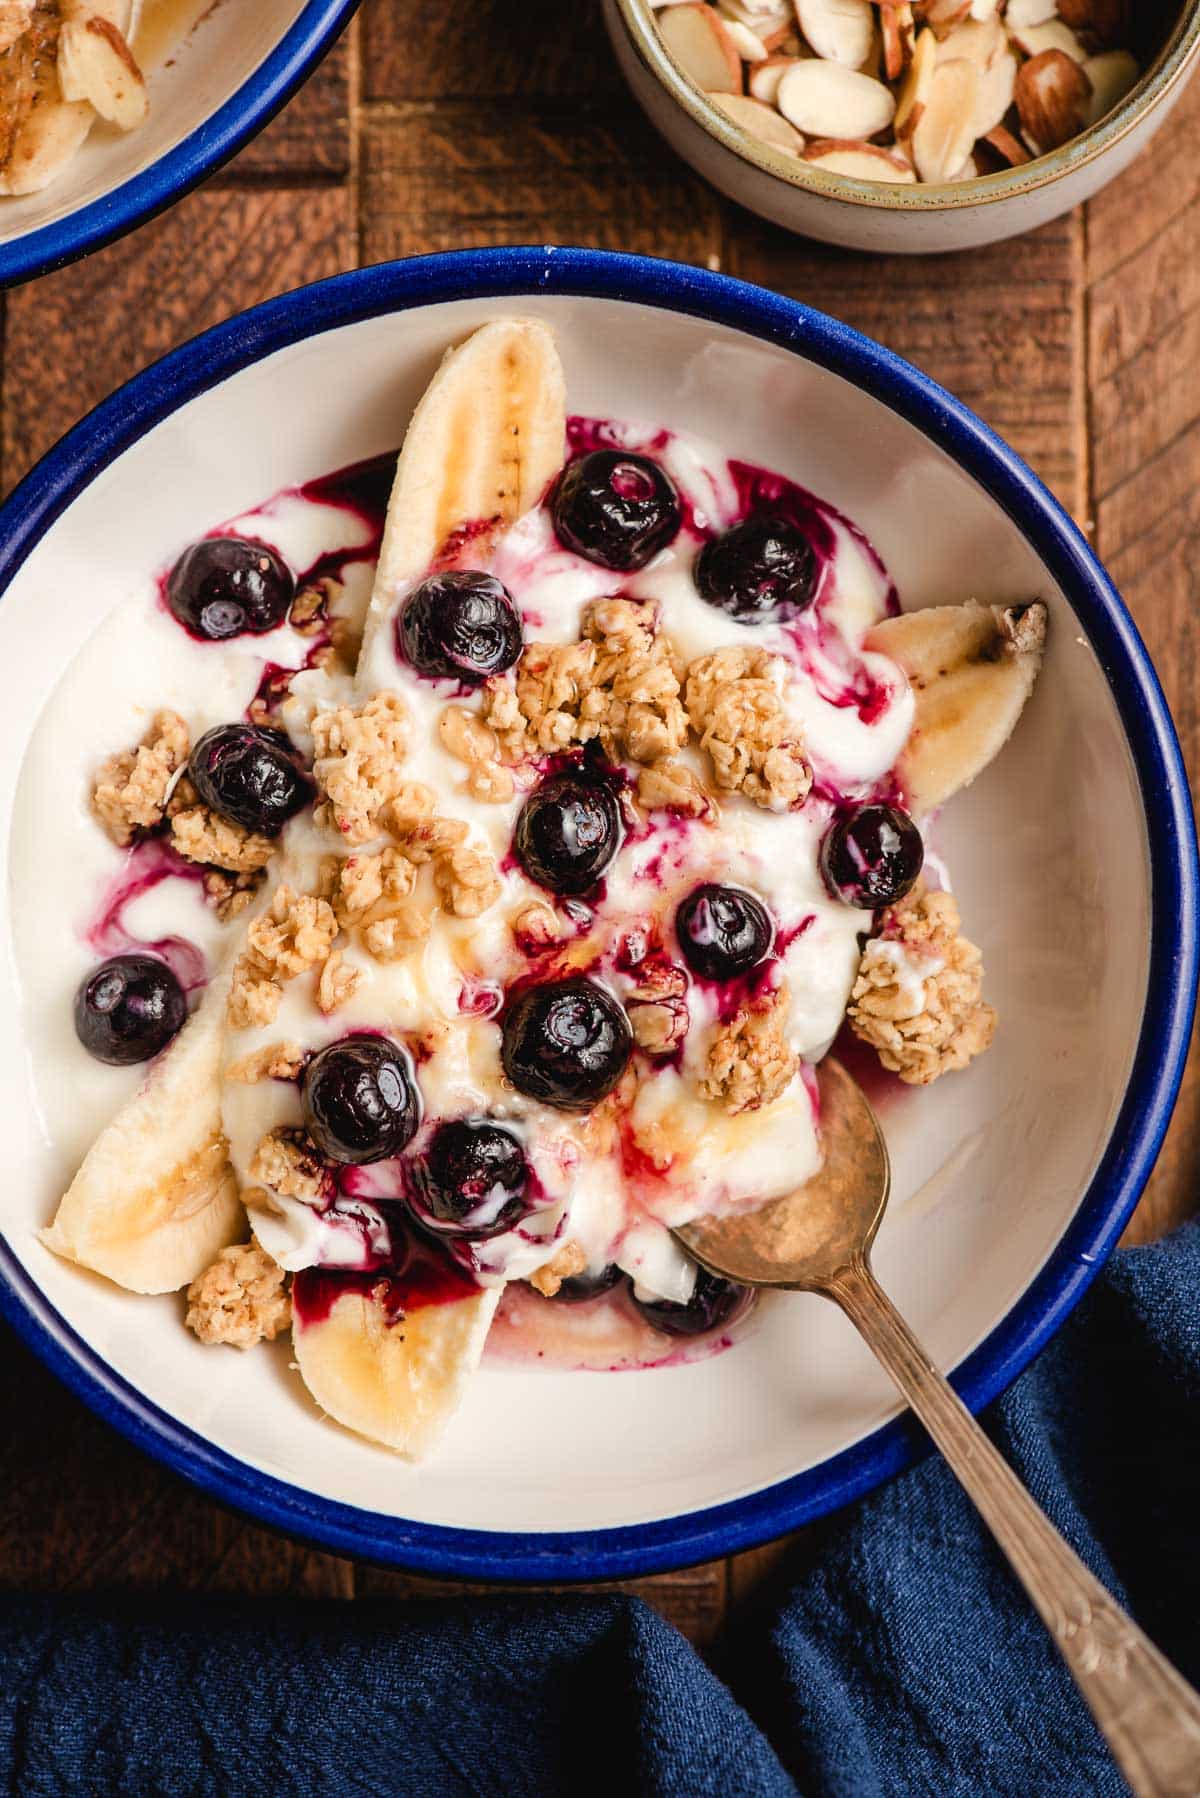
<point x="906" y="1661"/>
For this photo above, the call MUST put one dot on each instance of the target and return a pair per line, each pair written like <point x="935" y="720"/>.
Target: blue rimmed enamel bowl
<point x="1074" y="858"/>
<point x="211" y="92"/>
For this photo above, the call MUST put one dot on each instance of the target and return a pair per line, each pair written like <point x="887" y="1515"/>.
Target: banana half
<point x="971" y="668"/>
<point x="155" y="1199"/>
<point x="395" y="1382"/>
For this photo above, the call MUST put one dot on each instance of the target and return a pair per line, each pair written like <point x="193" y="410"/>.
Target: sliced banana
<point x="95" y="63"/>
<point x="397" y="1383"/>
<point x="484" y="444"/>
<point x="971" y="668"/>
<point x="50" y="132"/>
<point x="155" y="1198"/>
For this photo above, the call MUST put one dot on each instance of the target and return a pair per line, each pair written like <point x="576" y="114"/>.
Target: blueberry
<point x="460" y="626"/>
<point x="566" y="1042"/>
<point x="616" y="508"/>
<point x="250" y="775"/>
<point x="871" y="856"/>
<point x="568" y="832"/>
<point x="723" y="931"/>
<point x="360" y="1100"/>
<point x="128" y="1009"/>
<point x="713" y="1302"/>
<point x="223" y="586"/>
<point x="762" y="569"/>
<point x="471" y="1180"/>
<point x="577" y="1289"/>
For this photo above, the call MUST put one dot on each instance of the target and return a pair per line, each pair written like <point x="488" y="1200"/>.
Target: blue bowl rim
<point x="268" y="88"/>
<point x="506" y="1557"/>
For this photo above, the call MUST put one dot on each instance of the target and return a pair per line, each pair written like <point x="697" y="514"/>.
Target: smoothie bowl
<point x="519" y="829"/>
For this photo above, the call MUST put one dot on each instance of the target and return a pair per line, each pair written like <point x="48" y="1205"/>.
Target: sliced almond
<point x="748" y="46"/>
<point x="1006" y="146"/>
<point x="1106" y="23"/>
<point x="864" y="162"/>
<point x="763" y="80"/>
<point x="896" y="26"/>
<point x="1053" y="96"/>
<point x="1020" y="14"/>
<point x="841" y="31"/>
<point x="915" y="89"/>
<point x="984" y="9"/>
<point x="942" y="15"/>
<point x="1033" y="39"/>
<point x="701" y="45"/>
<point x="96" y="64"/>
<point x="760" y="121"/>
<point x="945" y="131"/>
<point x="1111" y="74"/>
<point x="16" y="16"/>
<point x="994" y="57"/>
<point x="825" y="99"/>
<point x="978" y="40"/>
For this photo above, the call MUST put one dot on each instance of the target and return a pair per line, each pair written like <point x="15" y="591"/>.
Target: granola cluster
<point x="358" y="764"/>
<point x="564" y="1265"/>
<point x="241" y="1299"/>
<point x="286" y="1162"/>
<point x="737" y="713"/>
<point x="276" y="1061"/>
<point x="294" y="935"/>
<point x="202" y="835"/>
<point x="464" y="735"/>
<point x="918" y="999"/>
<point x="131" y="788"/>
<point x="657" y="1008"/>
<point x="749" y="1060"/>
<point x="618" y="684"/>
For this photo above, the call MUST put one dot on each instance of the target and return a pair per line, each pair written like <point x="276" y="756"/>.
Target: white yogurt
<point x="673" y="1155"/>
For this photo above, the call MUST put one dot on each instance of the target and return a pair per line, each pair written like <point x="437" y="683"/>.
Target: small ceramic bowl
<point x="217" y="89"/>
<point x="1012" y="1180"/>
<point x="871" y="215"/>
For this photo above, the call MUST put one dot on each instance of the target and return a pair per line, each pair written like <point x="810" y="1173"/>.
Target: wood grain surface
<point x="431" y="128"/>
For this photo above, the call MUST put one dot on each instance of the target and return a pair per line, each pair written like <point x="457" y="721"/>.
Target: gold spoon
<point x="818" y="1239"/>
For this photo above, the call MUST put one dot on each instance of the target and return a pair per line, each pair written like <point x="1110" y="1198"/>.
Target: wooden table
<point x="432" y="128"/>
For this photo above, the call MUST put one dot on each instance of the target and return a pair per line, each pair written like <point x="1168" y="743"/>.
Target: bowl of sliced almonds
<point x="906" y="125"/>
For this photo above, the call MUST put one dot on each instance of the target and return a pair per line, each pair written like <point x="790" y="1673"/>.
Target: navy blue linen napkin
<point x="904" y="1661"/>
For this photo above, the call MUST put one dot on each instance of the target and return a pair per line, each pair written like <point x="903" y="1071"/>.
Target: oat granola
<point x="202" y="835"/>
<point x="131" y="788"/>
<point x="564" y="1265"/>
<point x="736" y="711"/>
<point x="241" y="1299"/>
<point x="918" y="999"/>
<point x="286" y="1163"/>
<point x="358" y="764"/>
<point x="749" y="1061"/>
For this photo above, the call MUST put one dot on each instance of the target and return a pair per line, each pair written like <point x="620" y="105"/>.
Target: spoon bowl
<point x="800" y="1242"/>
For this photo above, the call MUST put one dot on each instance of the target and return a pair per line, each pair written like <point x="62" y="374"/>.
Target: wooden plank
<point x="311" y="137"/>
<point x="76" y="335"/>
<point x="81" y="1510"/>
<point x="1002" y="329"/>
<point x="1143" y="364"/>
<point x="438" y="177"/>
<point x="1131" y="213"/>
<point x="413" y="51"/>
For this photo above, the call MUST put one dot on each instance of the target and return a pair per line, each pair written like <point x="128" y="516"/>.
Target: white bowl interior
<point x="1047" y="853"/>
<point x="200" y="74"/>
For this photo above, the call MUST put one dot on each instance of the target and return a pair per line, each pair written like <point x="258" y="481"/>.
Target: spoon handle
<point x="1146" y="1710"/>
